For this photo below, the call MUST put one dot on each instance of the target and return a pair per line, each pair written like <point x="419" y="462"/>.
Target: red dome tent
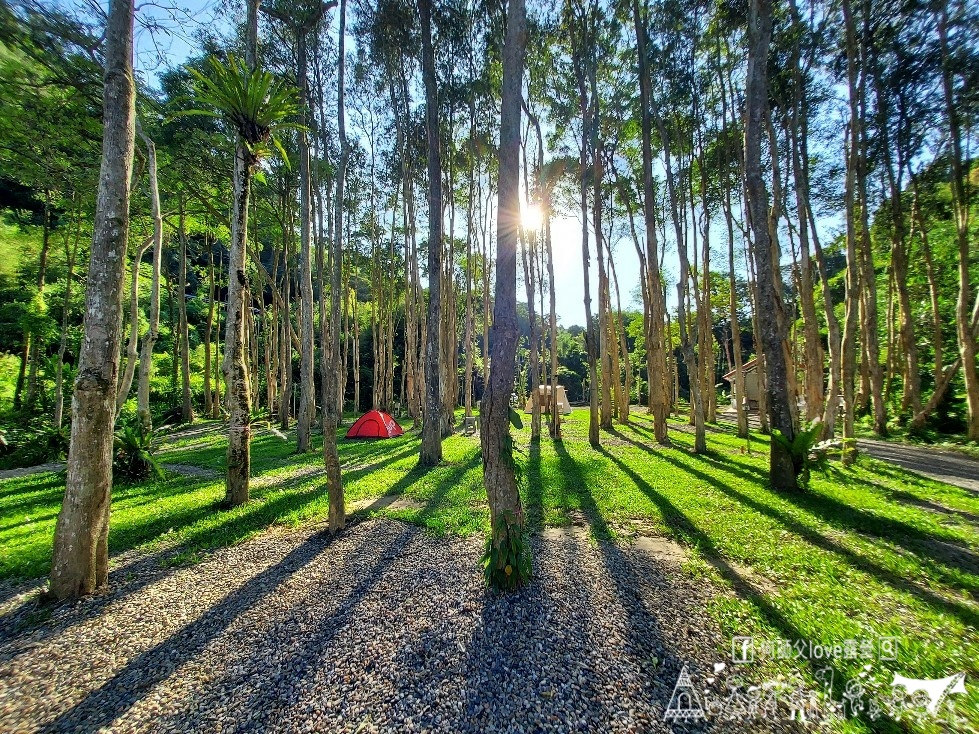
<point x="375" y="424"/>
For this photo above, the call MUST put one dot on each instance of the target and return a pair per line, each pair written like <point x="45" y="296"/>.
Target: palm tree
<point x="256" y="104"/>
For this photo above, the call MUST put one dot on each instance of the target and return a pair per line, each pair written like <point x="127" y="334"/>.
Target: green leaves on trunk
<point x="506" y="560"/>
<point x="805" y="452"/>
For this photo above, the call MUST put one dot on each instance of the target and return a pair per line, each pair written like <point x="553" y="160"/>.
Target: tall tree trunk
<point x="431" y="445"/>
<point x="71" y="255"/>
<point x="782" y="470"/>
<point x="208" y="330"/>
<point x="307" y="387"/>
<point x="153" y="331"/>
<point x="235" y="366"/>
<point x="187" y="408"/>
<point x="506" y="513"/>
<point x="35" y="343"/>
<point x="132" y="348"/>
<point x="659" y="403"/>
<point x="81" y="540"/>
<point x="960" y="203"/>
<point x="332" y="399"/>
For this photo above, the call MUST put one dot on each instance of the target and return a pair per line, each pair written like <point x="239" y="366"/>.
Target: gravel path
<point x="26" y="471"/>
<point x="945" y="466"/>
<point x="385" y="629"/>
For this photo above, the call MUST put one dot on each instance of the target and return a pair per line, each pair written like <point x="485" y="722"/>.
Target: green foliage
<point x="32" y="444"/>
<point x="255" y="103"/>
<point x="133" y="459"/>
<point x="506" y="561"/>
<point x="804" y="450"/>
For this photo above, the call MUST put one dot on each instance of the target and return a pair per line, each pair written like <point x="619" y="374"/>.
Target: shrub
<point x="803" y="449"/>
<point x="33" y="444"/>
<point x="134" y="448"/>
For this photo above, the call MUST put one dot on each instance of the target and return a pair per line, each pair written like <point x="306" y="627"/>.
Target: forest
<point x="264" y="218"/>
<point x="325" y="213"/>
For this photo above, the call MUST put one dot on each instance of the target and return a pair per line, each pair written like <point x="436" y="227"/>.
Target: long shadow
<point x="560" y="676"/>
<point x="644" y="634"/>
<point x="834" y="511"/>
<point x="966" y="614"/>
<point x="840" y="514"/>
<point x="133" y="682"/>
<point x="283" y="662"/>
<point x="415" y="474"/>
<point x="129" y="579"/>
<point x="682" y="527"/>
<point x="911" y="499"/>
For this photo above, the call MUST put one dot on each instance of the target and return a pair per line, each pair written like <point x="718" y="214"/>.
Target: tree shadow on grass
<point x="497" y="662"/>
<point x="834" y="512"/>
<point x="964" y="613"/>
<point x="840" y="514"/>
<point x="684" y="528"/>
<point x="215" y="529"/>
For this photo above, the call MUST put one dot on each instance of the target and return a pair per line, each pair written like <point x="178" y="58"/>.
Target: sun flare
<point x="532" y="217"/>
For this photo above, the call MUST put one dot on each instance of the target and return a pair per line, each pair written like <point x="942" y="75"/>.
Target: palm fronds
<point x="256" y="103"/>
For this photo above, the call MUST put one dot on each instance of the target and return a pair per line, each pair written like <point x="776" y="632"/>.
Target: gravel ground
<point x="385" y="629"/>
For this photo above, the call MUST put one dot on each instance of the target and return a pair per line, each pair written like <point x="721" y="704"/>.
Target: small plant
<point x="134" y="449"/>
<point x="805" y="452"/>
<point x="506" y="560"/>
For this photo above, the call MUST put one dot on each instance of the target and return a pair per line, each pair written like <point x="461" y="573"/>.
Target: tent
<point x="375" y="424"/>
<point x="545" y="400"/>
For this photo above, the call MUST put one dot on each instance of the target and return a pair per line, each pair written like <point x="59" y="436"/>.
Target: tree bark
<point x="498" y="467"/>
<point x="187" y="407"/>
<point x="782" y="470"/>
<point x="431" y="445"/>
<point x="235" y="366"/>
<point x="332" y="399"/>
<point x="81" y="540"/>
<point x="153" y="331"/>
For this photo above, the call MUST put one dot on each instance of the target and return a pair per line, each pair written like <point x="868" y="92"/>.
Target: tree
<point x="80" y="564"/>
<point x="431" y="448"/>
<point x="255" y="104"/>
<point x="782" y="469"/>
<point x="506" y="513"/>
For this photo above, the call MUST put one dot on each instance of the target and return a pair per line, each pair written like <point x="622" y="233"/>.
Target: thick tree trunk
<point x="431" y="445"/>
<point x="506" y="513"/>
<point x="81" y="540"/>
<point x="782" y="470"/>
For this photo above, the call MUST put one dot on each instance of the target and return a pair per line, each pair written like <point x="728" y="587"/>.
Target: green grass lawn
<point x="871" y="551"/>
